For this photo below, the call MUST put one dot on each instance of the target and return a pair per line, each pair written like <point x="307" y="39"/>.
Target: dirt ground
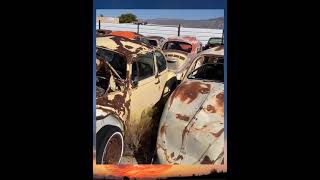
<point x="146" y="153"/>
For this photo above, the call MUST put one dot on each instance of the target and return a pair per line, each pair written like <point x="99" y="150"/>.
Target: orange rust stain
<point x="218" y="100"/>
<point x="182" y="117"/>
<point x="163" y="129"/>
<point x="126" y="34"/>
<point x="211" y="109"/>
<point x="218" y="133"/>
<point x="188" y="92"/>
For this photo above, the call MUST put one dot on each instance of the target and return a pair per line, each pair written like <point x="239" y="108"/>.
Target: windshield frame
<point x="208" y="64"/>
<point x="110" y="66"/>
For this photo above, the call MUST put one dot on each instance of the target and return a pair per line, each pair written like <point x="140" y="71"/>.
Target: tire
<point x="111" y="146"/>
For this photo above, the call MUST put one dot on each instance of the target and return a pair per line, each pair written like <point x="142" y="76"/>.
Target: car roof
<point x="126" y="34"/>
<point x="218" y="50"/>
<point x="128" y="47"/>
<point x="155" y="37"/>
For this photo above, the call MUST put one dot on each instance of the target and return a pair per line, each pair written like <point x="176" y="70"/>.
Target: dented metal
<point x="191" y="129"/>
<point x="121" y="100"/>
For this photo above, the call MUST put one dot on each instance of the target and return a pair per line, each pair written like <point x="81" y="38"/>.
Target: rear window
<point x="175" y="45"/>
<point x="215" y="41"/>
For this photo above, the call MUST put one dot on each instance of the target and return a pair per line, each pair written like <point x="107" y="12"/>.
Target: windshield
<point x="176" y="45"/>
<point x="116" y="60"/>
<point x="215" y="41"/>
<point x="212" y="72"/>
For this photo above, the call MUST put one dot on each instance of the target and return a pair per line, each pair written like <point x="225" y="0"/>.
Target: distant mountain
<point x="216" y="23"/>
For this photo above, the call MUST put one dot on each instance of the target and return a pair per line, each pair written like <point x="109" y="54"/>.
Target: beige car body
<point x="191" y="129"/>
<point x="123" y="105"/>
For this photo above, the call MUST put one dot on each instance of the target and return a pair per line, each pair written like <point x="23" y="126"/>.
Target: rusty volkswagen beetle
<point x="179" y="52"/>
<point x="127" y="71"/>
<point x="191" y="129"/>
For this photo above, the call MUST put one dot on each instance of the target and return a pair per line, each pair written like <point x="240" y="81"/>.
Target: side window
<point x="161" y="61"/>
<point x="199" y="62"/>
<point x="144" y="67"/>
<point x="134" y="75"/>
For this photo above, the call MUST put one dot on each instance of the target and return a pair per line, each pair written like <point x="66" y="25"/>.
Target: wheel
<point x="110" y="146"/>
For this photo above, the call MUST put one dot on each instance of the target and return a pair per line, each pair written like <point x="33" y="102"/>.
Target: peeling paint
<point x="116" y="101"/>
<point x="194" y="112"/>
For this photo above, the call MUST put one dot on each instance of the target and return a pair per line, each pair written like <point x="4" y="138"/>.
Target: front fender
<point x="109" y="120"/>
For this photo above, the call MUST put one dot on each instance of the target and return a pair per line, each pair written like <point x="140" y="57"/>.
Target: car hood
<point x="191" y="129"/>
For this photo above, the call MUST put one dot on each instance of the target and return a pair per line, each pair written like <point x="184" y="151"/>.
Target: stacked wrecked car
<point x="134" y="73"/>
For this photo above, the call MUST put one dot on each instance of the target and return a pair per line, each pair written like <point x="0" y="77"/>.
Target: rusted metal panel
<point x="126" y="103"/>
<point x="130" y="48"/>
<point x="191" y="129"/>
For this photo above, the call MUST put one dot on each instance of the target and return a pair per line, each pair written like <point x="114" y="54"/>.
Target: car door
<point x="161" y="65"/>
<point x="144" y="93"/>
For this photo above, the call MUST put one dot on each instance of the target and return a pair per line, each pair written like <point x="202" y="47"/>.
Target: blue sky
<point x="187" y="14"/>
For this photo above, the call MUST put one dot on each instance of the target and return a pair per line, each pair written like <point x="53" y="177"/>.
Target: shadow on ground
<point x="147" y="149"/>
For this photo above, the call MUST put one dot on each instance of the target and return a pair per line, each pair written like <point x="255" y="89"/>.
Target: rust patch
<point x="218" y="133"/>
<point x="182" y="117"/>
<point x="126" y="34"/>
<point x="210" y="109"/>
<point x="117" y="102"/>
<point x="165" y="152"/>
<point x="125" y="49"/>
<point x="207" y="160"/>
<point x="129" y="47"/>
<point x="172" y="154"/>
<point x="188" y="92"/>
<point x="163" y="129"/>
<point x="179" y="157"/>
<point x="220" y="99"/>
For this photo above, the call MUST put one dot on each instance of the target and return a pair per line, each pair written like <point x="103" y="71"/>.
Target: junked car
<point x="130" y="78"/>
<point x="213" y="42"/>
<point x="179" y="52"/>
<point x="212" y="55"/>
<point x="131" y="35"/>
<point x="156" y="41"/>
<point x="191" y="129"/>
